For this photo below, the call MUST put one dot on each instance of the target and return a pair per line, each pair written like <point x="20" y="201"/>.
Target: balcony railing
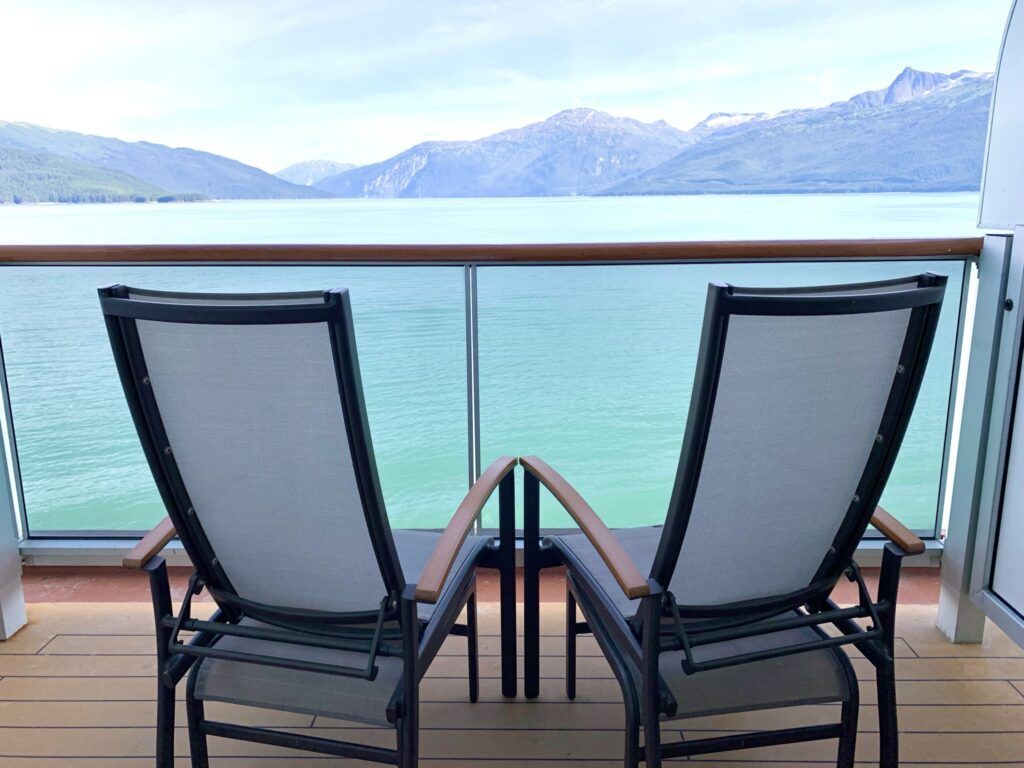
<point x="581" y="353"/>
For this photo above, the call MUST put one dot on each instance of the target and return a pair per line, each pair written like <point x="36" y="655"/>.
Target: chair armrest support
<point x="150" y="545"/>
<point x="633" y="583"/>
<point x="435" y="572"/>
<point x="896" y="532"/>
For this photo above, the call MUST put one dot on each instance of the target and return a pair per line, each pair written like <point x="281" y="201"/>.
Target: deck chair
<point x="800" y="403"/>
<point x="250" y="412"/>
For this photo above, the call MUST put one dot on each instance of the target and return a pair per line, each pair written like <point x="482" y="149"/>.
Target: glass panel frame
<point x="944" y="389"/>
<point x="477" y="437"/>
<point x="412" y="479"/>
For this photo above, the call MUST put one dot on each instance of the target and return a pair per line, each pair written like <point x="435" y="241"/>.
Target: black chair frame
<point x="632" y="649"/>
<point x="626" y="652"/>
<point x="414" y="640"/>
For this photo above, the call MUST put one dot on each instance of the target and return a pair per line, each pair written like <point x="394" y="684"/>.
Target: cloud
<point x="268" y="82"/>
<point x="823" y="82"/>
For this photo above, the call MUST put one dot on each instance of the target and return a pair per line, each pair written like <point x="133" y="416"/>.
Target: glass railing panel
<point x="591" y="367"/>
<point x="82" y="469"/>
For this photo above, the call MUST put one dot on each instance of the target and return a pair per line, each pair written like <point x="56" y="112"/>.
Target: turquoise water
<point x="589" y="367"/>
<point x="505" y="220"/>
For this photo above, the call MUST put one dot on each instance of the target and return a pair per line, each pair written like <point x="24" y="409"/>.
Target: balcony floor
<point x="76" y="689"/>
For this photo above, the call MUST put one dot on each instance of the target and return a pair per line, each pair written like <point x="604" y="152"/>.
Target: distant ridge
<point x="308" y="172"/>
<point x="910" y="84"/>
<point x="925" y="131"/>
<point x="578" y="151"/>
<point x="42" y="178"/>
<point x="173" y="171"/>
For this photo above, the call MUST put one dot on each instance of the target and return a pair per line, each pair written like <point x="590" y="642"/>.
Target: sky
<point x="273" y="83"/>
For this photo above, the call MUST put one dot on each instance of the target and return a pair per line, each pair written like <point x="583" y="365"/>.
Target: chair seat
<point x="414" y="549"/>
<point x="308" y="693"/>
<point x="641" y="544"/>
<point x="315" y="693"/>
<point x="812" y="677"/>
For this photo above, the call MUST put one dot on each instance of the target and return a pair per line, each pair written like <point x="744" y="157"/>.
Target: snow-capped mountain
<point x="924" y="131"/>
<point x="578" y="151"/>
<point x="309" y="172"/>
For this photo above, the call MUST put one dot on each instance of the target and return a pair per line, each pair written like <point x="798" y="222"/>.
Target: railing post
<point x="472" y="374"/>
<point x="958" y="617"/>
<point x="12" y="599"/>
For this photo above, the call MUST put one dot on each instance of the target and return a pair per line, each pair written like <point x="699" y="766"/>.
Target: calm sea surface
<point x="589" y="367"/>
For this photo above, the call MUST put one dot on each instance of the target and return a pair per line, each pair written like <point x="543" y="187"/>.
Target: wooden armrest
<point x="150" y="545"/>
<point x="897" y="532"/>
<point x="435" y="572"/>
<point x="632" y="582"/>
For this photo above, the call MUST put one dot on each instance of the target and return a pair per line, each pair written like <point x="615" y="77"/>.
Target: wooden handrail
<point x="621" y="565"/>
<point x="435" y="572"/>
<point x="563" y="253"/>
<point x="897" y="532"/>
<point x="150" y="545"/>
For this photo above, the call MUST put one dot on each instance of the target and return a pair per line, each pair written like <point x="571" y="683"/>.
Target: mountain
<point x="578" y="151"/>
<point x="172" y="170"/>
<point x="36" y="177"/>
<point x="909" y="84"/>
<point x="309" y="172"/>
<point x="716" y="121"/>
<point x="925" y="132"/>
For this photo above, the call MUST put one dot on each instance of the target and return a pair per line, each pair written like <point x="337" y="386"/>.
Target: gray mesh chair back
<point x="841" y="289"/>
<point x="225" y="299"/>
<point x="251" y="413"/>
<point x="800" y="403"/>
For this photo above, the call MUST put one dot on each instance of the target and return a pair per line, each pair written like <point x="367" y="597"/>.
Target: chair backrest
<point x="801" y="400"/>
<point x="225" y="299"/>
<point x="250" y="410"/>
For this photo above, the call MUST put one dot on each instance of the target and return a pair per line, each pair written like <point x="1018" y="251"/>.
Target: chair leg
<point x="408" y="738"/>
<point x="632" y="756"/>
<point x="472" y="647"/>
<point x="888" y="728"/>
<point x="848" y="738"/>
<point x="409" y="721"/>
<point x="196" y="715"/>
<point x="160" y="592"/>
<point x="632" y="753"/>
<point x="652" y="735"/>
<point x="570" y="642"/>
<point x="164" y="726"/>
<point x="651" y="705"/>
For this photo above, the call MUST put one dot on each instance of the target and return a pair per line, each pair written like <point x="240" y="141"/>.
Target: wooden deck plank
<point x="264" y="761"/>
<point x="490" y="647"/>
<point x="521" y="745"/>
<point x="46" y="665"/>
<point x="452" y="666"/>
<point x="74" y="695"/>
<point x="516" y="715"/>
